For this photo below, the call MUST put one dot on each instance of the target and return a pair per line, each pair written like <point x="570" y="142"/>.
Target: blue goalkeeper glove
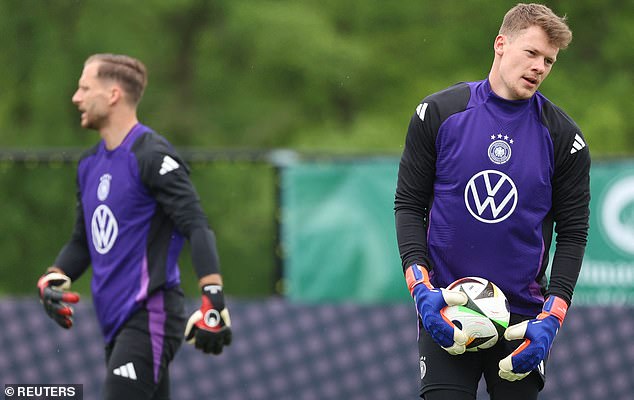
<point x="52" y="288"/>
<point x="429" y="301"/>
<point x="209" y="328"/>
<point x="539" y="334"/>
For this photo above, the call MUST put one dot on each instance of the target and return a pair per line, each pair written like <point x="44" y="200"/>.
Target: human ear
<point x="115" y="94"/>
<point x="499" y="43"/>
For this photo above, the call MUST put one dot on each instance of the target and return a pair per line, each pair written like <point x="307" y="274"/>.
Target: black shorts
<point x="441" y="371"/>
<point x="137" y="359"/>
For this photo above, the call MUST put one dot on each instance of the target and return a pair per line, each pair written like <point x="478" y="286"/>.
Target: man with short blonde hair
<point x="489" y="168"/>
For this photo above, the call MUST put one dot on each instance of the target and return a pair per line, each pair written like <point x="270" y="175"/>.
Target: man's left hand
<point x="538" y="335"/>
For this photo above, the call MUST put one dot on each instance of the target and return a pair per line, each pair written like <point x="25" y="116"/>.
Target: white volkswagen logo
<point x="617" y="214"/>
<point x="490" y="196"/>
<point x="104" y="229"/>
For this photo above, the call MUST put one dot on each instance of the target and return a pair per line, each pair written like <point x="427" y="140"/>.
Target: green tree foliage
<point x="341" y="76"/>
<point x="330" y="76"/>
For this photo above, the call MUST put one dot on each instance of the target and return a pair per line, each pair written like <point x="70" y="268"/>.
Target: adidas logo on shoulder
<point x="578" y="144"/>
<point x="168" y="165"/>
<point x="420" y="111"/>
<point x="126" y="371"/>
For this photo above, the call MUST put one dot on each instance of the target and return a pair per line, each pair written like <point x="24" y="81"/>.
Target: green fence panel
<point x="338" y="235"/>
<point x="607" y="275"/>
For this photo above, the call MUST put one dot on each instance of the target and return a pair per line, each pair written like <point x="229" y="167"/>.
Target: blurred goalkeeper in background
<point x="488" y="170"/>
<point x="135" y="206"/>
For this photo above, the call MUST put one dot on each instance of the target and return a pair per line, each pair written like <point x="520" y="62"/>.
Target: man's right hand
<point x="429" y="301"/>
<point x="54" y="296"/>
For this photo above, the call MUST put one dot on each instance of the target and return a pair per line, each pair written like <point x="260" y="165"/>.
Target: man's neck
<point x="494" y="77"/>
<point x="114" y="133"/>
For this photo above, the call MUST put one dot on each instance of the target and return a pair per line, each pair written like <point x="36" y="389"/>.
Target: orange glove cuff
<point x="415" y="275"/>
<point x="554" y="306"/>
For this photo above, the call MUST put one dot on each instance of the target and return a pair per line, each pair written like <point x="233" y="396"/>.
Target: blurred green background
<point x="327" y="77"/>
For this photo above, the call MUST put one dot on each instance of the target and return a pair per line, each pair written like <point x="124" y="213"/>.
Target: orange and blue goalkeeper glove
<point x="429" y="301"/>
<point x="538" y="335"/>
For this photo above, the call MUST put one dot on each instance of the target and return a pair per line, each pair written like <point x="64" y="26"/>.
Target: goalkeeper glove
<point x="429" y="301"/>
<point x="209" y="328"/>
<point x="538" y="335"/>
<point x="52" y="288"/>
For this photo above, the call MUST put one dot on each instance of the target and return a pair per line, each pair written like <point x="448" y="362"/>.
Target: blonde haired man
<point x="488" y="170"/>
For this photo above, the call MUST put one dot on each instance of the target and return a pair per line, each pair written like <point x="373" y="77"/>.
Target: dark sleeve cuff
<point x="73" y="259"/>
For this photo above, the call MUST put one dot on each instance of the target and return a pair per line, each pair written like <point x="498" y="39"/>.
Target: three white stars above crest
<point x="499" y="136"/>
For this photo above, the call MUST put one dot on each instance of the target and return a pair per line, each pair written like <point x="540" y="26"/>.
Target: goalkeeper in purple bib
<point x="135" y="208"/>
<point x="490" y="172"/>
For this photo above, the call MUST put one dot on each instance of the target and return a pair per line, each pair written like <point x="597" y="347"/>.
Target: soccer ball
<point x="486" y="315"/>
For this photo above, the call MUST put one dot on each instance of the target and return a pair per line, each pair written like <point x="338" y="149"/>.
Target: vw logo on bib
<point x="104" y="229"/>
<point x="490" y="196"/>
